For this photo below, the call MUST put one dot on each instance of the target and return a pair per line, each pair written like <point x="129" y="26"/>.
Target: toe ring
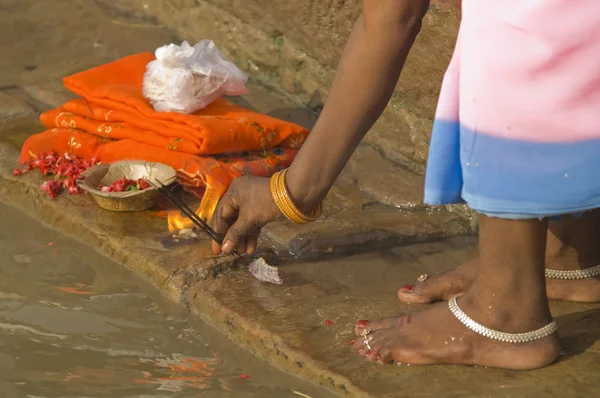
<point x="422" y="278"/>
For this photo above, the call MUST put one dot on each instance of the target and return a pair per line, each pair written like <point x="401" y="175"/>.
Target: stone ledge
<point x="193" y="277"/>
<point x="376" y="227"/>
<point x="134" y="240"/>
<point x="285" y="324"/>
<point x="281" y="324"/>
<point x="128" y="238"/>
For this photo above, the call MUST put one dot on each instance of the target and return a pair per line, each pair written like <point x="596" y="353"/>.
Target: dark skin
<point x="365" y="80"/>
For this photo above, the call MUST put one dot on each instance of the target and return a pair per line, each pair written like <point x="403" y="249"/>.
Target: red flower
<point x="74" y="190"/>
<point x="70" y="184"/>
<point x="50" y="163"/>
<point x="51" y="187"/>
<point x="143" y="184"/>
<point x="119" y="185"/>
<point x="124" y="184"/>
<point x="65" y="169"/>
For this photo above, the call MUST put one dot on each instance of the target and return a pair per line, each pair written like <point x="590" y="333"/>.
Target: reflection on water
<point x="72" y="324"/>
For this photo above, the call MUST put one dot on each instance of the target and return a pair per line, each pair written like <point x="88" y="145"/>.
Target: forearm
<point x="364" y="82"/>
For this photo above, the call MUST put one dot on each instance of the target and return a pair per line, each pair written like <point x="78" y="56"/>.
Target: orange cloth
<point x="221" y="127"/>
<point x="69" y="116"/>
<point x="113" y="121"/>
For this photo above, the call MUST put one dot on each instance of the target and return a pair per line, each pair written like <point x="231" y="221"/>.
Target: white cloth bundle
<point x="185" y="79"/>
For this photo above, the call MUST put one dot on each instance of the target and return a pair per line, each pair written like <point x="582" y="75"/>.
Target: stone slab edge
<point x="23" y="193"/>
<point x="267" y="345"/>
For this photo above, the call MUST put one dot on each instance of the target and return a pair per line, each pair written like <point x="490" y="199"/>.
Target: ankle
<point x="510" y="312"/>
<point x="581" y="254"/>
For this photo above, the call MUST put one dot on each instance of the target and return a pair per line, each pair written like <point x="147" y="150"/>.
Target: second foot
<point x="454" y="283"/>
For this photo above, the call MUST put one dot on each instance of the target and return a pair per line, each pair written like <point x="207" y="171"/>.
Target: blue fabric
<point x="495" y="175"/>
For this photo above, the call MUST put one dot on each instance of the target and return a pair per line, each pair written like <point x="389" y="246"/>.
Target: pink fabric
<point x="517" y="132"/>
<point x="448" y="101"/>
<point x="523" y="78"/>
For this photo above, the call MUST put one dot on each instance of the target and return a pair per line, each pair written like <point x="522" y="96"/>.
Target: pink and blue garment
<point x="517" y="129"/>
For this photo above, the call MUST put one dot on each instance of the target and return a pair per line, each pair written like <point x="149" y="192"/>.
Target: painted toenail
<point x="362" y="323"/>
<point x="407" y="288"/>
<point x="352" y="342"/>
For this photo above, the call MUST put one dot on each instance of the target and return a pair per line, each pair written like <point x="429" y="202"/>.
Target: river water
<point x="73" y="324"/>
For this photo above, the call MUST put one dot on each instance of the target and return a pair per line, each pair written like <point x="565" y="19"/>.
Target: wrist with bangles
<point x="284" y="201"/>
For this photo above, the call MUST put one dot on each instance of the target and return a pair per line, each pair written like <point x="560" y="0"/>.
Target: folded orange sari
<point x="113" y="121"/>
<point x="114" y="93"/>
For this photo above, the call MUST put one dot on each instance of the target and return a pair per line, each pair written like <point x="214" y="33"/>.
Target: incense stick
<point x="189" y="213"/>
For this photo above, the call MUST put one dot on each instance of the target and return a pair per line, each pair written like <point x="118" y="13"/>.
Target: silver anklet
<point x="574" y="274"/>
<point x="501" y="336"/>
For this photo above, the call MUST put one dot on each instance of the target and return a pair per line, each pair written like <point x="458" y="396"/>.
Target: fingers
<point x="252" y="241"/>
<point x="224" y="216"/>
<point x="249" y="247"/>
<point x="246" y="207"/>
<point x="236" y="235"/>
<point x="216" y="248"/>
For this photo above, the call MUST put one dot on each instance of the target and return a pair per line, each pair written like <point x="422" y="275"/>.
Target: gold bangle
<point x="285" y="204"/>
<point x="313" y="216"/>
<point x="287" y="209"/>
<point x="281" y="203"/>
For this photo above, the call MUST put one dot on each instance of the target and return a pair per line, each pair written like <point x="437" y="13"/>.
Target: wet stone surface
<point x="75" y="324"/>
<point x="374" y="205"/>
<point x="287" y="325"/>
<point x="364" y="287"/>
<point x="34" y="82"/>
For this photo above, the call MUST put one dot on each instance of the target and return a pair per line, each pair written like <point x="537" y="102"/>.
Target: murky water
<point x="72" y="324"/>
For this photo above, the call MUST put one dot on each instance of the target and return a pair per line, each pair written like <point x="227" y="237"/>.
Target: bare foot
<point x="571" y="245"/>
<point x="435" y="336"/>
<point x="580" y="290"/>
<point x="442" y="286"/>
<point x="507" y="294"/>
<point x="454" y="283"/>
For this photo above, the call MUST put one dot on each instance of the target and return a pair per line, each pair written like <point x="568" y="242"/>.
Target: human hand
<point x="245" y="208"/>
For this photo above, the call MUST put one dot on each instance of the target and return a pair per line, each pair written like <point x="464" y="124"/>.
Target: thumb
<point x="237" y="234"/>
